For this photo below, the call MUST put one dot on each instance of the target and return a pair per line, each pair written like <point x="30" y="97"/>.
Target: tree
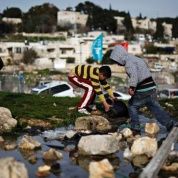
<point x="106" y="58"/>
<point x="159" y="34"/>
<point x="29" y="56"/>
<point x="41" y="18"/>
<point x="6" y="28"/>
<point x="129" y="27"/>
<point x="98" y="18"/>
<point x="175" y="28"/>
<point x="12" y="12"/>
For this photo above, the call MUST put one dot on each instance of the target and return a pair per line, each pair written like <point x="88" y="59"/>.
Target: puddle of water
<point x="70" y="167"/>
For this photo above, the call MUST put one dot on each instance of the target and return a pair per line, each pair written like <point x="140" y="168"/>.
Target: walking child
<point x="142" y="88"/>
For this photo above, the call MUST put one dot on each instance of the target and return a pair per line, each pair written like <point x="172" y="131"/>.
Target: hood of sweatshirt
<point x="119" y="55"/>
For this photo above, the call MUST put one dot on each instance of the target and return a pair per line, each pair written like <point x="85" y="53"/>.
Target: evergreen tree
<point x="12" y="12"/>
<point x="175" y="28"/>
<point x="129" y="27"/>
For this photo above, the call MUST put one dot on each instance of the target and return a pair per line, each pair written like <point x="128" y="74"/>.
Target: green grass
<point x="173" y="110"/>
<point x="39" y="107"/>
<point x="45" y="107"/>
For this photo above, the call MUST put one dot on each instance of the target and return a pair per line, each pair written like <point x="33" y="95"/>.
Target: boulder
<point x="28" y="143"/>
<point x="98" y="145"/>
<point x="10" y="168"/>
<point x="101" y="169"/>
<point x="94" y="123"/>
<point x="52" y="154"/>
<point x="7" y="123"/>
<point x="144" y="145"/>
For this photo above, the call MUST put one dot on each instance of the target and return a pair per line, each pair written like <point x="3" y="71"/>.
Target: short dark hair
<point x="106" y="71"/>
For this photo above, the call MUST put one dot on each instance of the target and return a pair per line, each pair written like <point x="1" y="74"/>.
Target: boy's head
<point x="104" y="72"/>
<point x="119" y="55"/>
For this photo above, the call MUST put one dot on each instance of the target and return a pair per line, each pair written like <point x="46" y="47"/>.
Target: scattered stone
<point x="173" y="168"/>
<point x="98" y="145"/>
<point x="126" y="132"/>
<point x="151" y="128"/>
<point x="101" y="169"/>
<point x="94" y="123"/>
<point x="127" y="154"/>
<point x="29" y="155"/>
<point x="7" y="123"/>
<point x="52" y="154"/>
<point x="10" y="146"/>
<point x="10" y="168"/>
<point x="43" y="171"/>
<point x="144" y="145"/>
<point x="70" y="134"/>
<point x="140" y="161"/>
<point x="39" y="123"/>
<point x="1" y="139"/>
<point x="169" y="105"/>
<point x="28" y="143"/>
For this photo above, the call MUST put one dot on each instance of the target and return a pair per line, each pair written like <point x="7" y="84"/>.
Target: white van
<point x="54" y="88"/>
<point x="169" y="93"/>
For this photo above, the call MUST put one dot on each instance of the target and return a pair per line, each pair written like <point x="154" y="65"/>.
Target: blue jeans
<point x="148" y="99"/>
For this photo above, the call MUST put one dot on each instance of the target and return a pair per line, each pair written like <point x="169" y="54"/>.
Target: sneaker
<point x="83" y="111"/>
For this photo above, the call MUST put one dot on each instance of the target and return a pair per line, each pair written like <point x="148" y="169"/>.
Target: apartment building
<point x="71" y="18"/>
<point x="145" y="24"/>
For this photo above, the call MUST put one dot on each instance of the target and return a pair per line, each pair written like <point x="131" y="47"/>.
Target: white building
<point x="12" y="20"/>
<point x="69" y="17"/>
<point x="145" y="24"/>
<point x="167" y="30"/>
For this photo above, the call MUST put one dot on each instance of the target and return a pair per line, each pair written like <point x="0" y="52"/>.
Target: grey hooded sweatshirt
<point x="136" y="68"/>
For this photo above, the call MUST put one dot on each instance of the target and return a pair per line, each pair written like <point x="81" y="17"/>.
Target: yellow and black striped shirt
<point x="92" y="73"/>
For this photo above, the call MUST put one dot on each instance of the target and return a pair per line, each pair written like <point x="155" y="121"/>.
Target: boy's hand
<point x="131" y="91"/>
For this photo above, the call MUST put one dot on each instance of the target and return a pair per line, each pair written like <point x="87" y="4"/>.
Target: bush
<point x="29" y="56"/>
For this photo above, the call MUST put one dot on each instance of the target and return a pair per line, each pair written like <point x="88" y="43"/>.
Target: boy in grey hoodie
<point x="142" y="88"/>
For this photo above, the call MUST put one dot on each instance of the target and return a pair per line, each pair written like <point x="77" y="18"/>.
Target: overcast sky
<point x="149" y="8"/>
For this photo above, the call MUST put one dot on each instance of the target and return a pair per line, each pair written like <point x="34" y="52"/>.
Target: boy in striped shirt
<point x="92" y="80"/>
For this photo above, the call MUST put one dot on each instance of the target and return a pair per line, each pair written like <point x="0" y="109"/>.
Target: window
<point x="117" y="95"/>
<point x="18" y="50"/>
<point x="59" y="88"/>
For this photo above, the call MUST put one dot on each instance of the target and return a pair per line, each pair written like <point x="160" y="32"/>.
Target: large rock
<point x="10" y="168"/>
<point x="98" y="145"/>
<point x="101" y="169"/>
<point x="94" y="123"/>
<point x="28" y="143"/>
<point x="144" y="145"/>
<point x="151" y="128"/>
<point x="7" y="123"/>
